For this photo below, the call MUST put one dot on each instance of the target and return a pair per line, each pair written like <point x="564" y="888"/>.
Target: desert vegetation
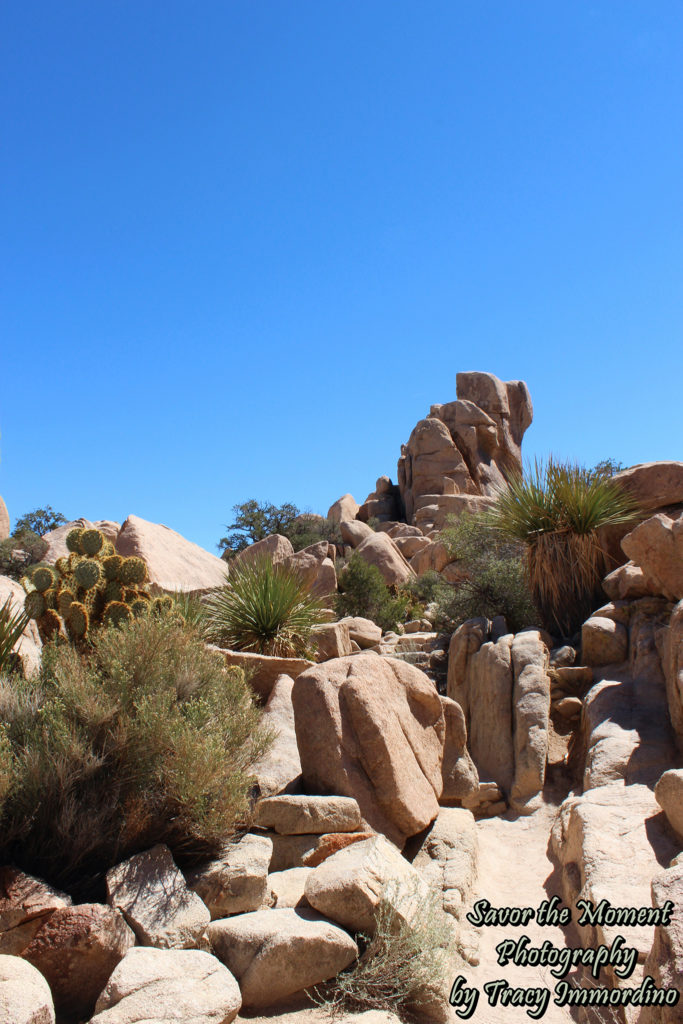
<point x="364" y="592"/>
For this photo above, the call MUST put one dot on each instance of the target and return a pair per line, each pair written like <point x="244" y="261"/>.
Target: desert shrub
<point x="403" y="967"/>
<point x="189" y="608"/>
<point x="495" y="580"/>
<point x="13" y="622"/>
<point x="263" y="608"/>
<point x="363" y="592"/>
<point x="146" y="738"/>
<point x="255" y="520"/>
<point x="39" y="521"/>
<point x="555" y="510"/>
<point x="304" y="531"/>
<point x="20" y="552"/>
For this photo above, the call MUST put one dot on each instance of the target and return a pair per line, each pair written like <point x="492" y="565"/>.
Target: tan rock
<point x="333" y="843"/>
<point x="25" y="996"/>
<point x="626" y="583"/>
<point x="656" y="546"/>
<point x="262" y="670"/>
<point x="308" y="815"/>
<point x="348" y="886"/>
<point x="531" y="704"/>
<point x="447" y="858"/>
<point x="603" y="641"/>
<point x="332" y="640"/>
<point x="432" y="558"/>
<point x="653" y="485"/>
<point x="30" y="646"/>
<point x="291" y="851"/>
<point x="673" y="671"/>
<point x="4" y="520"/>
<point x="165" y="986"/>
<point x="154" y="898"/>
<point x="344" y="509"/>
<point x="465" y="642"/>
<point x="379" y="550"/>
<point x="76" y="949"/>
<point x="275" y="547"/>
<point x="410" y="546"/>
<point x="275" y="953"/>
<point x="314" y="567"/>
<point x="237" y="881"/>
<point x="279" y="770"/>
<point x="286" y="888"/>
<point x="173" y="563"/>
<point x="354" y="533"/>
<point x="401" y="531"/>
<point x="362" y="631"/>
<point x="459" y="775"/>
<point x="25" y="904"/>
<point x="669" y="796"/>
<point x="664" y="963"/>
<point x="373" y="728"/>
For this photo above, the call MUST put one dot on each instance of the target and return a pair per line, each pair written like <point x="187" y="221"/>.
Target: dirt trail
<point x="514" y="871"/>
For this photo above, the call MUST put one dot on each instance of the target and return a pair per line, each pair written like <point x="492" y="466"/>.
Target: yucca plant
<point x="13" y="622"/>
<point x="263" y="608"/>
<point x="557" y="509"/>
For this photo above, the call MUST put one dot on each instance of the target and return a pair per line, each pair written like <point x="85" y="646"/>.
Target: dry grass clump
<point x="145" y="738"/>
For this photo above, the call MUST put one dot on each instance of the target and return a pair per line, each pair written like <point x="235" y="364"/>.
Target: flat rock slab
<point x="275" y="953"/>
<point x="235" y="882"/>
<point x="299" y="815"/>
<point x="173" y="563"/>
<point x="169" y="986"/>
<point x="25" y="996"/>
<point x="152" y="894"/>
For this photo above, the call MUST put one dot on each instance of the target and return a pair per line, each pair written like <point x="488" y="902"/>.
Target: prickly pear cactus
<point x="90" y="587"/>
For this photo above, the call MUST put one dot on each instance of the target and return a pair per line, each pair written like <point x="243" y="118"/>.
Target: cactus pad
<point x="91" y="542"/>
<point x="77" y="621"/>
<point x="88" y="573"/>
<point x="43" y="578"/>
<point x="34" y="605"/>
<point x="117" y="613"/>
<point x="73" y="540"/>
<point x="133" y="571"/>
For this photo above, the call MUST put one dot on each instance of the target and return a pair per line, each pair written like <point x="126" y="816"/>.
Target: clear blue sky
<point x="247" y="243"/>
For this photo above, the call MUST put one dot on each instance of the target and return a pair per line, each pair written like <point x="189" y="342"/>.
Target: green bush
<point x="255" y="520"/>
<point x="304" y="531"/>
<point x="495" y="583"/>
<point x="363" y="592"/>
<point x="147" y="738"/>
<point x="263" y="608"/>
<point x="21" y="552"/>
<point x="13" y="622"/>
<point x="556" y="511"/>
<point x="405" y="965"/>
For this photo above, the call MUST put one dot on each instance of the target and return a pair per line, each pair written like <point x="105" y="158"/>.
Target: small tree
<point x="255" y="520"/>
<point x="40" y="521"/>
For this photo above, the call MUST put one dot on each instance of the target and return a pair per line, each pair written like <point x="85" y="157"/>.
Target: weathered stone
<point x="673" y="671"/>
<point x="459" y="775"/>
<point x="603" y="641"/>
<point x="362" y="631"/>
<point x="379" y="550"/>
<point x="286" y="888"/>
<point x="332" y="641"/>
<point x="657" y="547"/>
<point x="25" y="903"/>
<point x="626" y="583"/>
<point x="279" y="770"/>
<point x="652" y="485"/>
<point x="410" y="546"/>
<point x="275" y="953"/>
<point x="56" y="539"/>
<point x="315" y="568"/>
<point x="291" y="851"/>
<point x="373" y="728"/>
<point x="154" y="898"/>
<point x="276" y="548"/>
<point x="465" y="642"/>
<point x="76" y="949"/>
<point x="308" y="815"/>
<point x="401" y="531"/>
<point x="29" y="647"/>
<point x="669" y="796"/>
<point x="25" y="996"/>
<point x="263" y="669"/>
<point x="447" y="858"/>
<point x="569" y="707"/>
<point x="354" y="533"/>
<point x="237" y="881"/>
<point x="432" y="557"/>
<point x="664" y="963"/>
<point x="348" y="886"/>
<point x="4" y="521"/>
<point x="173" y="563"/>
<point x="531" y="710"/>
<point x="489" y="683"/>
<point x="165" y="986"/>
<point x="333" y="843"/>
<point x="343" y="509"/>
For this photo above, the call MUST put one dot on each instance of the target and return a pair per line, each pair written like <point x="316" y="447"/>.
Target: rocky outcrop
<point x="656" y="547"/>
<point x="236" y="881"/>
<point x="4" y="521"/>
<point x="159" y="986"/>
<point x="464" y="448"/>
<point x="279" y="770"/>
<point x="383" y="504"/>
<point x="154" y="898"/>
<point x="29" y="647"/>
<point x="173" y="563"/>
<point x="669" y="796"/>
<point x="655" y="487"/>
<point x="275" y="953"/>
<point x="373" y="728"/>
<point x="446" y="858"/>
<point x="343" y="509"/>
<point x="25" y="996"/>
<point x="603" y="641"/>
<point x="379" y="550"/>
<point x="332" y="640"/>
<point x="276" y="548"/>
<point x="503" y="687"/>
<point x="363" y="631"/>
<point x="665" y="960"/>
<point x="286" y="888"/>
<point x="672" y="661"/>
<point x="315" y="567"/>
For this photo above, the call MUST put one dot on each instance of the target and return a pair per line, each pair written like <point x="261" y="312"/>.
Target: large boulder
<point x="76" y="949"/>
<point x="657" y="547"/>
<point x="354" y="532"/>
<point x="379" y="550"/>
<point x="173" y="563"/>
<point x="373" y="728"/>
<point x="669" y="796"/>
<point x="279" y="770"/>
<point x="153" y="896"/>
<point x="315" y="568"/>
<point x="25" y="905"/>
<point x="364" y="632"/>
<point x="653" y="485"/>
<point x="236" y="881"/>
<point x="312" y="815"/>
<point x="275" y="953"/>
<point x="531" y="702"/>
<point x="56" y="539"/>
<point x="603" y="641"/>
<point x="262" y="670"/>
<point x="343" y="509"/>
<point x="25" y="996"/>
<point x="664" y="963"/>
<point x="29" y="647"/>
<point x="332" y="640"/>
<point x="672" y="661"/>
<point x="276" y="548"/>
<point x="168" y="986"/>
<point x="4" y="520"/>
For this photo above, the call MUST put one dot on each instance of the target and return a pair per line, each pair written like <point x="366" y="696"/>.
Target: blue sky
<point x="247" y="244"/>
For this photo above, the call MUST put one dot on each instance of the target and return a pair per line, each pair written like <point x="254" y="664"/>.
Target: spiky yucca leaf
<point x="13" y="622"/>
<point x="265" y="609"/>
<point x="556" y="509"/>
